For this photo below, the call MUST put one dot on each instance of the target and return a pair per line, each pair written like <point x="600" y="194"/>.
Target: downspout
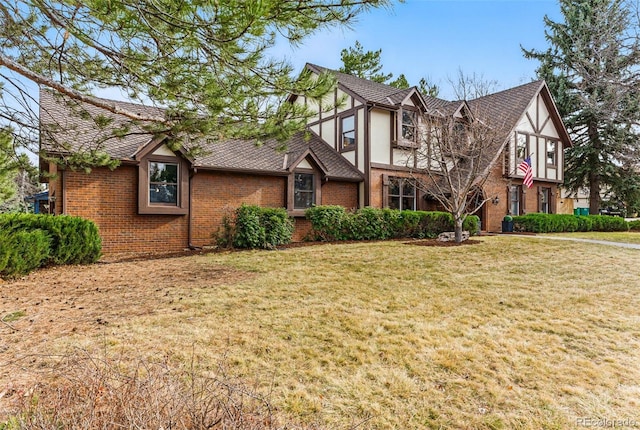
<point x="63" y="191"/>
<point x="189" y="217"/>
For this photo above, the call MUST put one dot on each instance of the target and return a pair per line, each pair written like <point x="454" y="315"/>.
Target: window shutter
<point x="385" y="191"/>
<point x="523" y="199"/>
<point x="539" y="199"/>
<point x="552" y="200"/>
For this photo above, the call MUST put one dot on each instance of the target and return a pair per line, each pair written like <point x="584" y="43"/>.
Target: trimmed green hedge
<point x="634" y="225"/>
<point x="559" y="223"/>
<point x="256" y="227"/>
<point x="335" y="223"/>
<point x="29" y="241"/>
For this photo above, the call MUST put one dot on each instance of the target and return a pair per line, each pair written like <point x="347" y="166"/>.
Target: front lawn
<point x="513" y="333"/>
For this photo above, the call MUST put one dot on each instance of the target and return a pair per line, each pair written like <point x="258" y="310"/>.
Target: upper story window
<point x="409" y="125"/>
<point x="348" y="133"/>
<point x="402" y="194"/>
<point x="304" y="190"/>
<point x="552" y="152"/>
<point x="163" y="183"/>
<point x="521" y="147"/>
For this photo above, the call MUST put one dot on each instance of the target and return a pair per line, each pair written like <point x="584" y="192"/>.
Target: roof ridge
<point x="538" y="82"/>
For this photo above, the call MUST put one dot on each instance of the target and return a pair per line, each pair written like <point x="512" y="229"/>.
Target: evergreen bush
<point x="29" y="241"/>
<point x="634" y="225"/>
<point x="559" y="223"/>
<point x="334" y="223"/>
<point x="23" y="251"/>
<point x="327" y="222"/>
<point x="253" y="226"/>
<point x="74" y="240"/>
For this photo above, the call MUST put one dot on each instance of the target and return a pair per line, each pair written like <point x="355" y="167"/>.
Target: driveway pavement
<point x="600" y="242"/>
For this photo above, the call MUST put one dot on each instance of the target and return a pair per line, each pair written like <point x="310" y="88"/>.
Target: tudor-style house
<point x="376" y="128"/>
<point x="360" y="153"/>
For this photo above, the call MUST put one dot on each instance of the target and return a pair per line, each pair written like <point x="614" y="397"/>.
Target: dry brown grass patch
<point x="512" y="333"/>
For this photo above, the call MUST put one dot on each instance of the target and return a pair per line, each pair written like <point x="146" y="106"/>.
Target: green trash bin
<point x="584" y="211"/>
<point x="576" y="211"/>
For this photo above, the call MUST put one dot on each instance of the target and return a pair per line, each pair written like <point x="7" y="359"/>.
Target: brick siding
<point x="109" y="198"/>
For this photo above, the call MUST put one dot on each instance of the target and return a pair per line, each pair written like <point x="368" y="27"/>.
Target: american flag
<point x="525" y="168"/>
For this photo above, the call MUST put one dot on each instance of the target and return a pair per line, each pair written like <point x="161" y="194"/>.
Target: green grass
<point x="512" y="333"/>
<point x="624" y="237"/>
<point x="13" y="316"/>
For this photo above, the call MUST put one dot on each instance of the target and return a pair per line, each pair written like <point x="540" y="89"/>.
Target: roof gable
<point x="506" y="108"/>
<point x="371" y="92"/>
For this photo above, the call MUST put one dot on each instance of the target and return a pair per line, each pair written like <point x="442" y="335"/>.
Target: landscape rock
<point x="450" y="236"/>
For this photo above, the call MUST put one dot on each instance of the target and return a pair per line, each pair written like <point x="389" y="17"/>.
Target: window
<point x="402" y="194"/>
<point x="545" y="194"/>
<point x="303" y="190"/>
<point x="163" y="183"/>
<point x="409" y="123"/>
<point x="551" y="152"/>
<point x="515" y="199"/>
<point x="348" y="130"/>
<point x="521" y="147"/>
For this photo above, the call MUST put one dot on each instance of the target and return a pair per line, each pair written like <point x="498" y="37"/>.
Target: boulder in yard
<point x="450" y="236"/>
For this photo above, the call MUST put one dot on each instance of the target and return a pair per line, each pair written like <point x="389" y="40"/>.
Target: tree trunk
<point x="458" y="229"/>
<point x="594" y="174"/>
<point x="594" y="193"/>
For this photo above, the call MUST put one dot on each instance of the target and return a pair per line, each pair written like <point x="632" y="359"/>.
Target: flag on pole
<point x="525" y="168"/>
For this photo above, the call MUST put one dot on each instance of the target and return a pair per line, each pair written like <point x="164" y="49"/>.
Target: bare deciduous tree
<point x="455" y="159"/>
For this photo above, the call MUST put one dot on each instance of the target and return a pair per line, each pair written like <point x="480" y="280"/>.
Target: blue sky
<point x="435" y="38"/>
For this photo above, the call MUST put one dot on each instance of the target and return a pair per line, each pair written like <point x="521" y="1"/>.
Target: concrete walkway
<point x="577" y="239"/>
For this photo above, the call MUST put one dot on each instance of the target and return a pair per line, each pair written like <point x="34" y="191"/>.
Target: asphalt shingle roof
<point x="505" y="108"/>
<point x="66" y="123"/>
<point x="62" y="123"/>
<point x="375" y="92"/>
<point x="238" y="155"/>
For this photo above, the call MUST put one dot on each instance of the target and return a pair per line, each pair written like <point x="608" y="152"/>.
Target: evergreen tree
<point x="591" y="68"/>
<point x="205" y="62"/>
<point x="8" y="169"/>
<point x="400" y="82"/>
<point x="428" y="88"/>
<point x="366" y="65"/>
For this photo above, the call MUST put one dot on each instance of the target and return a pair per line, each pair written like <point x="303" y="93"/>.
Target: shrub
<point x="74" y="240"/>
<point x="334" y="223"/>
<point x="557" y="223"/>
<point x="255" y="227"/>
<point x="278" y="227"/>
<point x="634" y="225"/>
<point x="23" y="251"/>
<point x="327" y="222"/>
<point x="249" y="232"/>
